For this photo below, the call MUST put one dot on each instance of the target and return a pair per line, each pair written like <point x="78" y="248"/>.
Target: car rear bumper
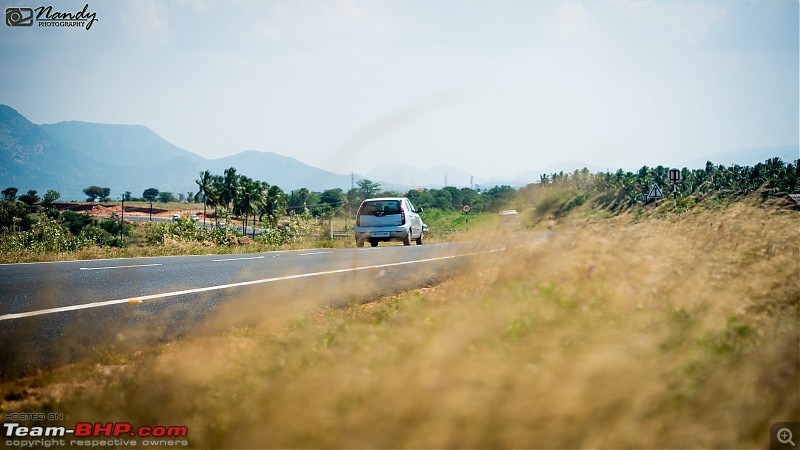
<point x="381" y="234"/>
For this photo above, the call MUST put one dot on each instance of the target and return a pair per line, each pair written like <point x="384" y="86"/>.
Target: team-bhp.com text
<point x="38" y="436"/>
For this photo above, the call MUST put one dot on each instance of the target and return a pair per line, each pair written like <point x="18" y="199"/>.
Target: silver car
<point x="388" y="219"/>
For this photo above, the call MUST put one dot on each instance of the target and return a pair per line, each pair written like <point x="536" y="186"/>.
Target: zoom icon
<point x="19" y="17"/>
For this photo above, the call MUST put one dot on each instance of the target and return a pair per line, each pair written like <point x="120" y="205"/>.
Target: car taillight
<point x="358" y="215"/>
<point x="402" y="215"/>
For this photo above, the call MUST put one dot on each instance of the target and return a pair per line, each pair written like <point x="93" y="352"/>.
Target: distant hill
<point x="69" y="156"/>
<point x="283" y="171"/>
<point x="119" y="145"/>
<point x="436" y="177"/>
<point x="32" y="159"/>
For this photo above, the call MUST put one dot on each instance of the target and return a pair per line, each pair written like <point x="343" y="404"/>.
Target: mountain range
<point x="70" y="156"/>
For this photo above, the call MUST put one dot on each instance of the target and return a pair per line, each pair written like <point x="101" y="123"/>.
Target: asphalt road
<point x="52" y="313"/>
<point x="147" y="219"/>
<point x="209" y="223"/>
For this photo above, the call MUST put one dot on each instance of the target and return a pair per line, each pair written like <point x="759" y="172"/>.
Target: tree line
<point x="619" y="191"/>
<point x="233" y="194"/>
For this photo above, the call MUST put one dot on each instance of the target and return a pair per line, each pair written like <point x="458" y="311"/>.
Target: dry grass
<point x="679" y="332"/>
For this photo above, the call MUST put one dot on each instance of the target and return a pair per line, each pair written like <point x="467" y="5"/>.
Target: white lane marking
<point x="119" y="267"/>
<point x="73" y="261"/>
<point x="135" y="257"/>
<point x="224" y="286"/>
<point x="237" y="259"/>
<point x="313" y="253"/>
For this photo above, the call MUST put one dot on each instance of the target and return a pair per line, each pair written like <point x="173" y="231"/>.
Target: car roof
<point x="380" y="199"/>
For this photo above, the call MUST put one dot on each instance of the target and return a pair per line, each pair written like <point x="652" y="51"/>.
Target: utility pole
<point x="122" y="220"/>
<point x="350" y="206"/>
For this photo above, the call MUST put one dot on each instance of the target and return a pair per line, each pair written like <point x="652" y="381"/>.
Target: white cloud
<point x="688" y="22"/>
<point x="572" y="19"/>
<point x="329" y="19"/>
<point x="145" y="21"/>
<point x="348" y="83"/>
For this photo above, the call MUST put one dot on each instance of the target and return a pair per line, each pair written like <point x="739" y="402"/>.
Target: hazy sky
<point x="493" y="87"/>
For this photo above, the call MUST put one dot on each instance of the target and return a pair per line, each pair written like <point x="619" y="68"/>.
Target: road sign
<point x="674" y="176"/>
<point x="466" y="209"/>
<point x="655" y="193"/>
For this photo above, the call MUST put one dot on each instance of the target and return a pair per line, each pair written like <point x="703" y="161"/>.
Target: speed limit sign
<point x="466" y="209"/>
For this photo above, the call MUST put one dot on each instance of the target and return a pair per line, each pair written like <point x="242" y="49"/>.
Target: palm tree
<point x="246" y="201"/>
<point x="256" y="198"/>
<point x="544" y="179"/>
<point x="230" y="188"/>
<point x="215" y="196"/>
<point x="206" y="185"/>
<point x="274" y="205"/>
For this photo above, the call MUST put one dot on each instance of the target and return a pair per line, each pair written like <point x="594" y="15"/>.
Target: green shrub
<point x="186" y="231"/>
<point x="14" y="215"/>
<point x="272" y="237"/>
<point x="115" y="228"/>
<point x="76" y="222"/>
<point x="155" y="233"/>
<point x="215" y="234"/>
<point x="294" y="230"/>
<point x="50" y="236"/>
<point x="91" y="235"/>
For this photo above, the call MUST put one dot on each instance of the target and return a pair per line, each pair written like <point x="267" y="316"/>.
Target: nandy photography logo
<point x="46" y="16"/>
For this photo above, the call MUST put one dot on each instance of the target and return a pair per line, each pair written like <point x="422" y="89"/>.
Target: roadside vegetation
<point x="652" y="328"/>
<point x="36" y="229"/>
<point x="214" y="219"/>
<point x="638" y="325"/>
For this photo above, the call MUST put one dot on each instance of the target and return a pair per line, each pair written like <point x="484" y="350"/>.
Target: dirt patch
<point x="101" y="209"/>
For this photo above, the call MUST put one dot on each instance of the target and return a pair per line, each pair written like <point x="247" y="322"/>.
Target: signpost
<point x="674" y="176"/>
<point x="655" y="194"/>
<point x="122" y="220"/>
<point x="466" y="209"/>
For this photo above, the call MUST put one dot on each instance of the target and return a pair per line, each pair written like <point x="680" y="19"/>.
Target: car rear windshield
<point x="383" y="207"/>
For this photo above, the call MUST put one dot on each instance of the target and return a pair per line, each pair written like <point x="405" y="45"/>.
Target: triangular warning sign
<point x="655" y="192"/>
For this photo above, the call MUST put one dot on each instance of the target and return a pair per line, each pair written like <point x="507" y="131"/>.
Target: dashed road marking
<point x="143" y="298"/>
<point x="119" y="267"/>
<point x="237" y="259"/>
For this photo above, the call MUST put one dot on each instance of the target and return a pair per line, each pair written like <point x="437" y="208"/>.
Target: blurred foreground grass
<point x="655" y="333"/>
